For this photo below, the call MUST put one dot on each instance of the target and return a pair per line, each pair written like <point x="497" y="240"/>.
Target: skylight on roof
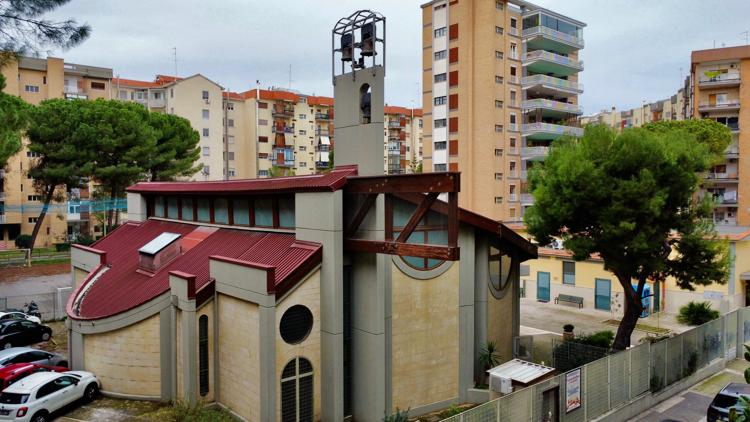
<point x="158" y="243"/>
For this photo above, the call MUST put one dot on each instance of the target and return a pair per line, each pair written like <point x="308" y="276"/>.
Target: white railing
<point x="531" y="152"/>
<point x="551" y="81"/>
<point x="527" y="198"/>
<point x="723" y="78"/>
<point x="512" y="197"/>
<point x="725" y="104"/>
<point x="552" y="128"/>
<point x="552" y="57"/>
<point x="553" y="34"/>
<point x="722" y="176"/>
<point x="512" y="127"/>
<point x="552" y="105"/>
<point x="513" y="80"/>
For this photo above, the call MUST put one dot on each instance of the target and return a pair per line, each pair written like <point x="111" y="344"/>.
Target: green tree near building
<point x="631" y="199"/>
<point x="124" y="146"/>
<point x="177" y="148"/>
<point x="13" y="120"/>
<point x="23" y="29"/>
<point x="57" y="135"/>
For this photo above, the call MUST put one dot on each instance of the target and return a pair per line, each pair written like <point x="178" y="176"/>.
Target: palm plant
<point x="488" y="356"/>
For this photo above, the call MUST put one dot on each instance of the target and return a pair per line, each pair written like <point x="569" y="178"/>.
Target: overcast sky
<point x="635" y="49"/>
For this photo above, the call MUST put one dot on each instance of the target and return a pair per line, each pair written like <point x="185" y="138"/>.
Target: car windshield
<point x="724" y="401"/>
<point x="13" y="398"/>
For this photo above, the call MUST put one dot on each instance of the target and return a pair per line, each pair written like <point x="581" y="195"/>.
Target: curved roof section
<point x="123" y="287"/>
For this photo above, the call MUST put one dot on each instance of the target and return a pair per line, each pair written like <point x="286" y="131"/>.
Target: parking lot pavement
<point x="110" y="410"/>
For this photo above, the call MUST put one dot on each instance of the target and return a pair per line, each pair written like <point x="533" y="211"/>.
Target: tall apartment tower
<point x="501" y="83"/>
<point x="720" y="85"/>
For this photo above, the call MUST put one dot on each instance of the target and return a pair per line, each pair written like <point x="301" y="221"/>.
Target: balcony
<point x="283" y="112"/>
<point x="2" y="174"/>
<point x="714" y="106"/>
<point x="534" y="153"/>
<point x="513" y="127"/>
<point x="527" y="199"/>
<point x="723" y="80"/>
<point x="394" y="124"/>
<point x="321" y="164"/>
<point x="512" y="197"/>
<point x="723" y="177"/>
<point x="732" y="151"/>
<point x="727" y="199"/>
<point x="322" y="132"/>
<point x="551" y="108"/>
<point x="74" y="92"/>
<point x="550" y="85"/>
<point x="2" y="196"/>
<point x="285" y="129"/>
<point x="514" y="31"/>
<point x="545" y="62"/>
<point x="322" y="116"/>
<point x="541" y="37"/>
<point x="2" y="218"/>
<point x="549" y="131"/>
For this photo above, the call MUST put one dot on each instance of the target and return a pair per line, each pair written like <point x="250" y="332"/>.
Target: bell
<point x="367" y="34"/>
<point x="347" y="47"/>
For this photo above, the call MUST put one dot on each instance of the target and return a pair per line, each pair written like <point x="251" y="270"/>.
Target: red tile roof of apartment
<point x="233" y="95"/>
<point x="120" y="286"/>
<point x="323" y="182"/>
<point x="134" y="83"/>
<point x="324" y="101"/>
<point x="272" y="95"/>
<point x="166" y="79"/>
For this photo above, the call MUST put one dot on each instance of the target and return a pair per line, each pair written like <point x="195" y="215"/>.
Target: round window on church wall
<point x="296" y="324"/>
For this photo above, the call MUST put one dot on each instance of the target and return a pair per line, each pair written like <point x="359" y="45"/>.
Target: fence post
<point x="740" y="334"/>
<point x="497" y="410"/>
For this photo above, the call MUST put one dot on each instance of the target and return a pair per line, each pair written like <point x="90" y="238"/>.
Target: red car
<point x="14" y="372"/>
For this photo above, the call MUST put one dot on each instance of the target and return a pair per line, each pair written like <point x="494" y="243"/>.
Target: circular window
<point x="296" y="324"/>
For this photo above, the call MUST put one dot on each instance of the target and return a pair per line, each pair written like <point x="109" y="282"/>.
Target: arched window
<point x="203" y="354"/>
<point x="297" y="391"/>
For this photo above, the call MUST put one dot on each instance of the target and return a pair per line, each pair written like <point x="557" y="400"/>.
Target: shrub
<point x="488" y="356"/>
<point x="568" y="328"/>
<point x="602" y="339"/>
<point x="183" y="412"/>
<point x="451" y="411"/>
<point x="399" y="416"/>
<point x="84" y="239"/>
<point x="23" y="241"/>
<point x="692" y="364"/>
<point x="697" y="313"/>
<point x="62" y="247"/>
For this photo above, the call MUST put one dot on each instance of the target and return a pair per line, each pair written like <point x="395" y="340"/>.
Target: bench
<point x="570" y="299"/>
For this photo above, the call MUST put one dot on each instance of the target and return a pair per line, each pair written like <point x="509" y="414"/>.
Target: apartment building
<point x="672" y="108"/>
<point x="493" y="104"/>
<point x="720" y="90"/>
<point x="35" y="80"/>
<point x="196" y="98"/>
<point x="403" y="139"/>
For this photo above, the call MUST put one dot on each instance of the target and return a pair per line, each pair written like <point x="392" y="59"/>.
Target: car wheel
<point x="40" y="417"/>
<point x="7" y="346"/>
<point x="91" y="392"/>
<point x="46" y="336"/>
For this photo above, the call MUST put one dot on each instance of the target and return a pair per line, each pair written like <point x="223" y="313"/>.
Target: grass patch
<point x="641" y="327"/>
<point x="50" y="261"/>
<point x="181" y="412"/>
<point x="12" y="253"/>
<point x="713" y="385"/>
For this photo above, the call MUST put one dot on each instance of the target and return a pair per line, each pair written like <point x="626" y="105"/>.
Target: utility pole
<point x="174" y="53"/>
<point x="747" y="36"/>
<point x="290" y="76"/>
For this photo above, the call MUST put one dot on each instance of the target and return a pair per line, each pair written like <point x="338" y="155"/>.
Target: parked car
<point x="36" y="397"/>
<point x="29" y="355"/>
<point x="18" y="315"/>
<point x="22" y="333"/>
<point x="17" y="371"/>
<point x="725" y="400"/>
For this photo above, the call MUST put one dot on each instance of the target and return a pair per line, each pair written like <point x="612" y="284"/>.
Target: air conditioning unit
<point x="501" y="384"/>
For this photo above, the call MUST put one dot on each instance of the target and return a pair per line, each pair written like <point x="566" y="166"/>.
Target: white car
<point x="35" y="397"/>
<point x="7" y="316"/>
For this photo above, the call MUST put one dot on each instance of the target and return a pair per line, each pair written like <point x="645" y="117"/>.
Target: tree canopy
<point x="630" y="198"/>
<point x="177" y="147"/>
<point x="23" y="30"/>
<point x="64" y="157"/>
<point x="13" y="120"/>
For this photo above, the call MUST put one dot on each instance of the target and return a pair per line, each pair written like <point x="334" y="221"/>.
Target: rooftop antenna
<point x="747" y="36"/>
<point x="174" y="53"/>
<point x="290" y="76"/>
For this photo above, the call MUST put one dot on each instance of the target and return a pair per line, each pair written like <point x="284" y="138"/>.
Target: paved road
<point x="38" y="279"/>
<point x="687" y="407"/>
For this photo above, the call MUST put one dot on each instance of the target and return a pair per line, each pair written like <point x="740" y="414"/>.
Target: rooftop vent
<point x="158" y="252"/>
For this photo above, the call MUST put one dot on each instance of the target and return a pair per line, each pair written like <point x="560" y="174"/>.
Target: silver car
<point x="29" y="355"/>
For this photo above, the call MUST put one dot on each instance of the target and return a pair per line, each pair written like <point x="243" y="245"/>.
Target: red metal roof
<point x="122" y="287"/>
<point x="330" y="181"/>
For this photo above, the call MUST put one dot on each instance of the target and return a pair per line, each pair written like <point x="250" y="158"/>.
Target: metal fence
<point x="610" y="382"/>
<point x="51" y="305"/>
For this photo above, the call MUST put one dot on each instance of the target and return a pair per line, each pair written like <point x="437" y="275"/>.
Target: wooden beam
<point x="405" y="183"/>
<point x="361" y="214"/>
<point x="453" y="219"/>
<point x="419" y="213"/>
<point x="388" y="202"/>
<point x="444" y="253"/>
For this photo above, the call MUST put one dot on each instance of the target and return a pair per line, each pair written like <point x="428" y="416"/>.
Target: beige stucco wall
<point x="126" y="361"/>
<point x="308" y="294"/>
<point x="79" y="275"/>
<point x="500" y="322"/>
<point x="424" y="323"/>
<point x="239" y="360"/>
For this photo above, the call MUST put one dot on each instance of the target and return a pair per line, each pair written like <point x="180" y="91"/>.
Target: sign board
<point x="572" y="390"/>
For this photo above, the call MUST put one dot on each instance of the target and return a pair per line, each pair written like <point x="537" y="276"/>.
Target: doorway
<point x="551" y="404"/>
<point x="542" y="286"/>
<point x="603" y="294"/>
